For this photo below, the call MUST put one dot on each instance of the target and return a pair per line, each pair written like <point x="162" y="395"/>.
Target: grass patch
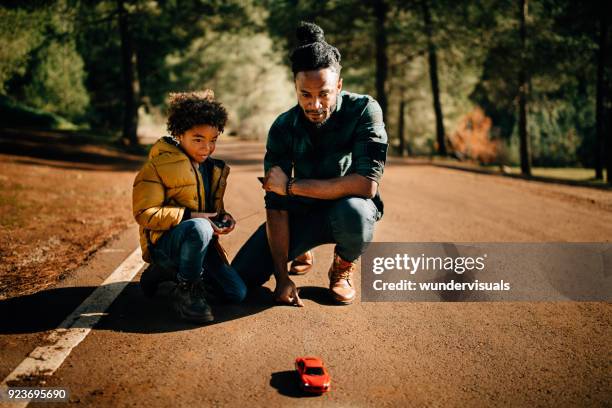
<point x="572" y="175"/>
<point x="564" y="173"/>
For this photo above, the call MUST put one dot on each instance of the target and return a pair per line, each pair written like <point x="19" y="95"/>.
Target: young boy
<point x="178" y="203"/>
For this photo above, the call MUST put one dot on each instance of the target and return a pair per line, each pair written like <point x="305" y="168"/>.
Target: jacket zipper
<point x="197" y="186"/>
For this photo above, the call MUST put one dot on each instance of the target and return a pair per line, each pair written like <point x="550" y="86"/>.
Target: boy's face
<point x="199" y="142"/>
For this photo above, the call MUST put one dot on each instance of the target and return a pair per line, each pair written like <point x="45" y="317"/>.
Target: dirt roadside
<point x="61" y="199"/>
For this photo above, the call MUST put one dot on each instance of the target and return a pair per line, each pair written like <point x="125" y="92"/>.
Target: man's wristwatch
<point x="289" y="186"/>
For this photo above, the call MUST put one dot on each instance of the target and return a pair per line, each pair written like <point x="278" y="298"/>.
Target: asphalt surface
<point x="378" y="354"/>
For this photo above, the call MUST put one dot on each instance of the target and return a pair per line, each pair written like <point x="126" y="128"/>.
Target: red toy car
<point x="313" y="375"/>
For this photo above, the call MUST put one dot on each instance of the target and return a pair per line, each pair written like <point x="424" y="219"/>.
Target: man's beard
<point x="319" y="125"/>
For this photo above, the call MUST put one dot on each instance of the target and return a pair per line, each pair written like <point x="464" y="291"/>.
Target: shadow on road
<point x="317" y="294"/>
<point x="70" y="165"/>
<point x="40" y="311"/>
<point x="71" y="151"/>
<point x="131" y="312"/>
<point x="286" y="383"/>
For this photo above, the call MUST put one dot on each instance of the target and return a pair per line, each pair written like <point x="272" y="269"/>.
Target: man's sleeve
<point x="370" y="150"/>
<point x="278" y="153"/>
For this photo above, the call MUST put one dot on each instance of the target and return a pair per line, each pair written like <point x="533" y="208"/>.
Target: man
<point x="324" y="160"/>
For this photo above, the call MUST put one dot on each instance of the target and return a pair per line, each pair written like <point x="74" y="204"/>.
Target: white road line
<point x="111" y="250"/>
<point x="45" y="360"/>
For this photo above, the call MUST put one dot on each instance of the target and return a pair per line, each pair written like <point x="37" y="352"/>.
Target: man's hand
<point x="276" y="181"/>
<point x="286" y="292"/>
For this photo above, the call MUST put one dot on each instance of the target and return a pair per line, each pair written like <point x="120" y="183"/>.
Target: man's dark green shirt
<point x="353" y="140"/>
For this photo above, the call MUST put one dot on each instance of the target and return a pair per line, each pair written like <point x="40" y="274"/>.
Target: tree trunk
<point x="600" y="121"/>
<point x="131" y="84"/>
<point x="525" y="148"/>
<point x="400" y="127"/>
<point x="609" y="139"/>
<point x="433" y="76"/>
<point x="380" y="11"/>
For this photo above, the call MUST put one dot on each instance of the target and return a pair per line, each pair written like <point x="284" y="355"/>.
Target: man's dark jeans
<point x="347" y="222"/>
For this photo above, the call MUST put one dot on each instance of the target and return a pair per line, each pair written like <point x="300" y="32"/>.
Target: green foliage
<point x="57" y="84"/>
<point x="161" y="31"/>
<point x="42" y="68"/>
<point x="64" y="57"/>
<point x="561" y="120"/>
<point x="21" y="32"/>
<point x="478" y="48"/>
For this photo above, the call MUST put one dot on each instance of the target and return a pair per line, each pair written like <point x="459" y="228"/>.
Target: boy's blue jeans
<point x="348" y="222"/>
<point x="184" y="248"/>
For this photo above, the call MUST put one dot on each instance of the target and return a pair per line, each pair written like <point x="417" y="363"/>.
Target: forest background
<point x="507" y="83"/>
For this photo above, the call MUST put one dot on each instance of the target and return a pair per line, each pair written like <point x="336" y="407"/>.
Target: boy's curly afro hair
<point x="189" y="109"/>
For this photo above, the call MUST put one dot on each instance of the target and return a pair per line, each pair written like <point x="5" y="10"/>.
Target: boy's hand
<point x="206" y="215"/>
<point x="231" y="224"/>
<point x="227" y="218"/>
<point x="209" y="217"/>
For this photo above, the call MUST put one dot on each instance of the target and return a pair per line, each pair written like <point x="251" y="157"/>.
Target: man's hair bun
<point x="313" y="52"/>
<point x="308" y="33"/>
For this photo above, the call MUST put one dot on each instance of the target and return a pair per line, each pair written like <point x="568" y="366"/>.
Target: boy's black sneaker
<point x="190" y="302"/>
<point x="152" y="276"/>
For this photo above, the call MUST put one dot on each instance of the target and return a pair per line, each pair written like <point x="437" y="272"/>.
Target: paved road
<point x="379" y="354"/>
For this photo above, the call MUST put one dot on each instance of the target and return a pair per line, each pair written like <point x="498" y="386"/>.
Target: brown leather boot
<point x="302" y="264"/>
<point x="341" y="280"/>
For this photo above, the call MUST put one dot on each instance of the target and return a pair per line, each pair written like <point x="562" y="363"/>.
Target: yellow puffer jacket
<point x="167" y="184"/>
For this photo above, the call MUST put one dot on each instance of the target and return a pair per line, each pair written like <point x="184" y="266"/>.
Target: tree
<point x="401" y="135"/>
<point x="525" y="145"/>
<point x="127" y="44"/>
<point x="559" y="80"/>
<point x="131" y="83"/>
<point x="380" y="11"/>
<point x="433" y="75"/>
<point x="600" y="156"/>
<point x="609" y="141"/>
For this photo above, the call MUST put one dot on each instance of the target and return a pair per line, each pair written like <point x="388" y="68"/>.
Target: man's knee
<point x="354" y="214"/>
<point x="352" y="220"/>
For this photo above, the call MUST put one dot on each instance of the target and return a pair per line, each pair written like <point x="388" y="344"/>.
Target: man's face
<point x="317" y="92"/>
<point x="199" y="142"/>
